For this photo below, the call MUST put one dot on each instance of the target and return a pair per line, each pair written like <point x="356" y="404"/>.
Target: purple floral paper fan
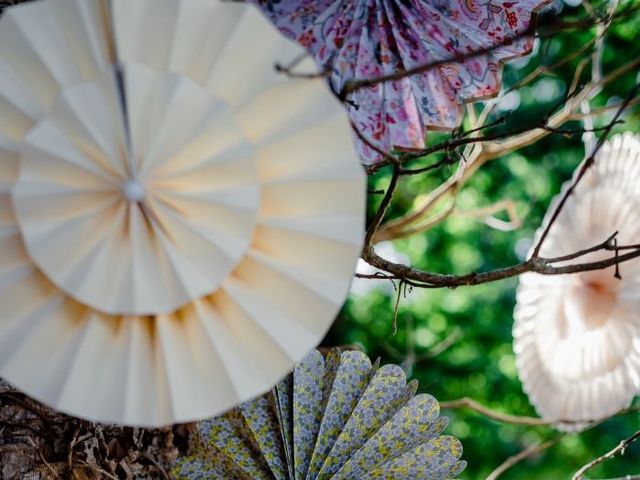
<point x="366" y="39"/>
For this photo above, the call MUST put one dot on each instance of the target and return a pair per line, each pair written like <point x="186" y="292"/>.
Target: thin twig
<point x="471" y="404"/>
<point x="528" y="452"/>
<point x="441" y="346"/>
<point x="44" y="460"/>
<point x="101" y="471"/>
<point x="487" y="213"/>
<point x="586" y="165"/>
<point x="477" y="407"/>
<point x="601" y="110"/>
<point x="618" y="449"/>
<point x="626" y="477"/>
<point x="382" y="209"/>
<point x="164" y="473"/>
<point x="484" y="151"/>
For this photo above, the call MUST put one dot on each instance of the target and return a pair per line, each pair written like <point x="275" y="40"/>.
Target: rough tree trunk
<point x="38" y="443"/>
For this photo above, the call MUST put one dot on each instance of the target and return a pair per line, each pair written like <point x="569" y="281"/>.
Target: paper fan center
<point x="133" y="190"/>
<point x="143" y="212"/>
<point x="592" y="301"/>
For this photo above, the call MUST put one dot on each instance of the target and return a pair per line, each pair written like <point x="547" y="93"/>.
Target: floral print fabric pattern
<point x="367" y="39"/>
<point x="338" y="417"/>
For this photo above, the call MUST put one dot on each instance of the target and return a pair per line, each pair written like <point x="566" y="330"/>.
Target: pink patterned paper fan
<point x="367" y="39"/>
<point x="577" y="337"/>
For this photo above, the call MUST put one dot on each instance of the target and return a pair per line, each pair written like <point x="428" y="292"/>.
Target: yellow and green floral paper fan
<point x="338" y="417"/>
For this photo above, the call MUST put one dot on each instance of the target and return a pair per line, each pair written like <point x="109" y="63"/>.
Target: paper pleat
<point x="350" y="382"/>
<point x="383" y="395"/>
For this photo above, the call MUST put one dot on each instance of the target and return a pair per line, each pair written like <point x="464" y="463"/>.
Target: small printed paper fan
<point x="368" y="39"/>
<point x="334" y="418"/>
<point x="176" y="232"/>
<point x="577" y="337"/>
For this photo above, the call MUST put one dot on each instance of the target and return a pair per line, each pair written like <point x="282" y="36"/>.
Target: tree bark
<point x="38" y="443"/>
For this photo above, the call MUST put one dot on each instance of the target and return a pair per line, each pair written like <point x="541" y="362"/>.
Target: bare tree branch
<point x="618" y="449"/>
<point x="588" y="163"/>
<point x="528" y="452"/>
<point x="486" y="149"/>
<point x="544" y="266"/>
<point x="501" y="417"/>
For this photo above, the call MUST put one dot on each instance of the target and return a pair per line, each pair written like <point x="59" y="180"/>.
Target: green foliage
<point x="480" y="363"/>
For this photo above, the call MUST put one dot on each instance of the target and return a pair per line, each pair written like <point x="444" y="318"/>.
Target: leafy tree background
<point x="480" y="363"/>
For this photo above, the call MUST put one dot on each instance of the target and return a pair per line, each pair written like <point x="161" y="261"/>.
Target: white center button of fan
<point x="133" y="190"/>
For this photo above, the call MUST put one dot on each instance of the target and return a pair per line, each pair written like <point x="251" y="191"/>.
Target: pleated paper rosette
<point x="369" y="39"/>
<point x="179" y="224"/>
<point x="338" y="417"/>
<point x="577" y="337"/>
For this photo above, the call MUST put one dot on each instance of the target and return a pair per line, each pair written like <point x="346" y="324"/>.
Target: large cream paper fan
<point x="179" y="223"/>
<point x="577" y="337"/>
<point x="338" y="418"/>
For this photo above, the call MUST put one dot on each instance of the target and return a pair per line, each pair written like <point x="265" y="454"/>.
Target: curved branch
<point x="618" y="449"/>
<point x="544" y="266"/>
<point x="528" y="452"/>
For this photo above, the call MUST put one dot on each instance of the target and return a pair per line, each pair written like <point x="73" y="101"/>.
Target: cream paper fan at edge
<point x="165" y="265"/>
<point x="577" y="337"/>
